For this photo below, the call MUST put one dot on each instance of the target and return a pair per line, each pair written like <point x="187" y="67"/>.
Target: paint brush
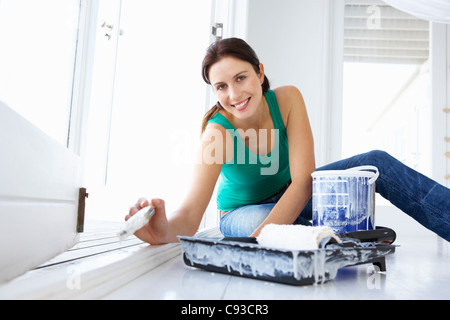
<point x="136" y="222"/>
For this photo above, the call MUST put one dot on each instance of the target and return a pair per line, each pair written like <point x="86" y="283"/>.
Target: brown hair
<point x="234" y="47"/>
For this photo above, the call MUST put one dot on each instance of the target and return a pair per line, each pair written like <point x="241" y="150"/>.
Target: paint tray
<point x="244" y="257"/>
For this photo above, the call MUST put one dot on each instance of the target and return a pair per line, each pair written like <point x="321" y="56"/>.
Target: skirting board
<point x="91" y="275"/>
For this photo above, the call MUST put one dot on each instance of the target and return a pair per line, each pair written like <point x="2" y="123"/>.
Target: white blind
<point x="376" y="32"/>
<point x="432" y="10"/>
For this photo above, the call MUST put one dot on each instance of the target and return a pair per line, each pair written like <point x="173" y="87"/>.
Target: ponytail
<point x="211" y="113"/>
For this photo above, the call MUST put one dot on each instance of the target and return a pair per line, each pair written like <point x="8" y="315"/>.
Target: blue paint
<point x="345" y="199"/>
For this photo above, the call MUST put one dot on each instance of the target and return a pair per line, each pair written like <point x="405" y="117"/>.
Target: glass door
<point x="158" y="104"/>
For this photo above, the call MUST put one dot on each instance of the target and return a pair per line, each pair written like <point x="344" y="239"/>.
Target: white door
<point x="43" y="77"/>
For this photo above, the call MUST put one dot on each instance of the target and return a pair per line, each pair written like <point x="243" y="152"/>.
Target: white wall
<point x="293" y="39"/>
<point x="440" y="99"/>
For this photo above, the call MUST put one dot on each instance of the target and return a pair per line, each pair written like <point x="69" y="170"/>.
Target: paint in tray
<point x="295" y="267"/>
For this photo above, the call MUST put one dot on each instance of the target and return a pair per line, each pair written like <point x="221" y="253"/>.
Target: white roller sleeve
<point x="294" y="237"/>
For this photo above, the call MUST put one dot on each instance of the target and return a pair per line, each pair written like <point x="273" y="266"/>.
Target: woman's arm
<point x="186" y="220"/>
<point x="301" y="158"/>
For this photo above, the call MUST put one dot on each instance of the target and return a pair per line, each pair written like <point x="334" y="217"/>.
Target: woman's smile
<point x="237" y="86"/>
<point x="241" y="105"/>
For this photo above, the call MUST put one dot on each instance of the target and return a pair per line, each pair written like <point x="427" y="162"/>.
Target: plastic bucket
<point x="344" y="200"/>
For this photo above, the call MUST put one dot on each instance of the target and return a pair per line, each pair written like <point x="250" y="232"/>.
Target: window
<point x="37" y="61"/>
<point x="386" y="83"/>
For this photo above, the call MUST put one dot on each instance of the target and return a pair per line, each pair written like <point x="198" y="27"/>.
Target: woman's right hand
<point x="157" y="229"/>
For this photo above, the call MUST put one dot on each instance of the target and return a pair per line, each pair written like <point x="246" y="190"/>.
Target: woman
<point x="260" y="143"/>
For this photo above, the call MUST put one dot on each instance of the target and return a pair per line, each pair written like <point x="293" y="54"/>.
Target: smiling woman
<point x="250" y="200"/>
<point x="236" y="92"/>
<point x="238" y="51"/>
<point x="245" y="103"/>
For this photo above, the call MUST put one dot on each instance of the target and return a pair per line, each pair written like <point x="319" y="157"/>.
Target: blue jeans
<point x="423" y="199"/>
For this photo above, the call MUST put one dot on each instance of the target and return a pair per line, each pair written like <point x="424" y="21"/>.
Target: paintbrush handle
<point x="136" y="222"/>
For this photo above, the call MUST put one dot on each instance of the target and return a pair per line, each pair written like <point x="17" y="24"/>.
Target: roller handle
<point x="380" y="234"/>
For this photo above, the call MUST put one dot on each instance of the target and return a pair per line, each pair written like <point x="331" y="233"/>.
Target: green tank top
<point x="249" y="178"/>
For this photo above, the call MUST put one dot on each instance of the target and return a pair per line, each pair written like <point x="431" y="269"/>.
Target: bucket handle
<point x="360" y="168"/>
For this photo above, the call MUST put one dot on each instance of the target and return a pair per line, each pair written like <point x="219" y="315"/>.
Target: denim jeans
<point x="423" y="199"/>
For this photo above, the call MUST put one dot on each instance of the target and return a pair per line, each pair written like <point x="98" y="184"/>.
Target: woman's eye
<point x="239" y="79"/>
<point x="220" y="87"/>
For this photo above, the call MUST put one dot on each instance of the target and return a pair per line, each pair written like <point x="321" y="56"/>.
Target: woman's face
<point x="237" y="86"/>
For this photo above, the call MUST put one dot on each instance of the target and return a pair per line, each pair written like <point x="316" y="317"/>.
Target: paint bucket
<point x="344" y="200"/>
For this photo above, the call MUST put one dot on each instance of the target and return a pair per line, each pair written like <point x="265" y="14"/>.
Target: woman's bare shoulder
<point x="287" y="94"/>
<point x="216" y="139"/>
<point x="289" y="98"/>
